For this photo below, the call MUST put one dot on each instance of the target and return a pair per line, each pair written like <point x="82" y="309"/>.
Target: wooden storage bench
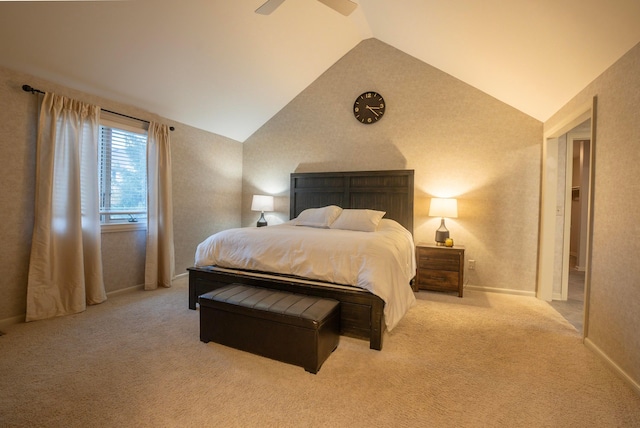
<point x="292" y="328"/>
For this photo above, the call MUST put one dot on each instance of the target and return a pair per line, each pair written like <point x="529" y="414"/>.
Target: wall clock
<point x="369" y="107"/>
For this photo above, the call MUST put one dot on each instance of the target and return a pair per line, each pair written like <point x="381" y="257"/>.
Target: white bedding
<point x="382" y="262"/>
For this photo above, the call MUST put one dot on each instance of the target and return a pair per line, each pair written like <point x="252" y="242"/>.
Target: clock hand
<point x="373" y="111"/>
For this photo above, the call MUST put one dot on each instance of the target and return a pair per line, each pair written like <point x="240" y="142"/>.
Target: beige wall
<point x="460" y="142"/>
<point x="207" y="181"/>
<point x="614" y="303"/>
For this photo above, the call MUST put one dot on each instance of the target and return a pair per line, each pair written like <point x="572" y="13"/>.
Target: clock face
<point x="369" y="107"/>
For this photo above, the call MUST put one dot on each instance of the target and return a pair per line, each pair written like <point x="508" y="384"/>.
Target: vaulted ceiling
<point x="218" y="66"/>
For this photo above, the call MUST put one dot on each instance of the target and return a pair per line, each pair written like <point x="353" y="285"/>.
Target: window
<point x="122" y="165"/>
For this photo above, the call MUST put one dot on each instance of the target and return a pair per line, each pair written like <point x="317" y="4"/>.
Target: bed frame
<point x="361" y="312"/>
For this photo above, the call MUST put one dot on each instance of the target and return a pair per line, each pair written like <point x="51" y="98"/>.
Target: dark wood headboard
<point x="390" y="191"/>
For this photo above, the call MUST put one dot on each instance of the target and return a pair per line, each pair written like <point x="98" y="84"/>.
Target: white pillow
<point x="318" y="217"/>
<point x="361" y="220"/>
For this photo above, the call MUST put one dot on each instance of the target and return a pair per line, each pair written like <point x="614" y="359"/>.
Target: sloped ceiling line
<point x="534" y="56"/>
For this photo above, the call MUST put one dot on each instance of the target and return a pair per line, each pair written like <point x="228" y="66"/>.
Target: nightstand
<point x="439" y="268"/>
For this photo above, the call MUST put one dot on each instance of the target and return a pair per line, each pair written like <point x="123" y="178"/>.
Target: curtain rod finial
<point x="29" y="88"/>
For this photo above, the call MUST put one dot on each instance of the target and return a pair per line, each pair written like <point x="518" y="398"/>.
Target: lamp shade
<point x="443" y="207"/>
<point x="262" y="203"/>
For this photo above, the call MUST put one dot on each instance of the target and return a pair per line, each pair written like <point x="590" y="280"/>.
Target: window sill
<point x="123" y="227"/>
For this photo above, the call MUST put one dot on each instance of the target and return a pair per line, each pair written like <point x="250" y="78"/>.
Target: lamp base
<point x="442" y="234"/>
<point x="261" y="221"/>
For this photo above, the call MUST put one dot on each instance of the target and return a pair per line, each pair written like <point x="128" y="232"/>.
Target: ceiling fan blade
<point x="269" y="7"/>
<point x="344" y="7"/>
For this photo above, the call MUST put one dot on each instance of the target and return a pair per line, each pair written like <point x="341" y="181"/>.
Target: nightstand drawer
<point x="446" y="262"/>
<point x="438" y="279"/>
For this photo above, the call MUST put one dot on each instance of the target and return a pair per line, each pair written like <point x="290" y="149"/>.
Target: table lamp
<point x="443" y="207"/>
<point x="262" y="203"/>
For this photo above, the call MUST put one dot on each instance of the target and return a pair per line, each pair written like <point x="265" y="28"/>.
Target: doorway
<point x="569" y="301"/>
<point x="557" y="193"/>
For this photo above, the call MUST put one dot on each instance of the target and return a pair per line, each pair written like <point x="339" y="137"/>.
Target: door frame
<point x="548" y="194"/>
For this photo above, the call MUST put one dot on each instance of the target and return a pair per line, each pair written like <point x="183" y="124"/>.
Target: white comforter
<point x="382" y="262"/>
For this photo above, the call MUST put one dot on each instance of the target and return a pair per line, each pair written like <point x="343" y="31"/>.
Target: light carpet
<point x="486" y="360"/>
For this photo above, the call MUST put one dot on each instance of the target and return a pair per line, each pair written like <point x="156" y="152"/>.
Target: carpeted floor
<point x="487" y="360"/>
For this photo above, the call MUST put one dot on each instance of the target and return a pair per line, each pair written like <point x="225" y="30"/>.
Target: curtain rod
<point x="33" y="90"/>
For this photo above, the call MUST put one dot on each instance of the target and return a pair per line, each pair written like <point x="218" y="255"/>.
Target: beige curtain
<point x="65" y="269"/>
<point x="160" y="263"/>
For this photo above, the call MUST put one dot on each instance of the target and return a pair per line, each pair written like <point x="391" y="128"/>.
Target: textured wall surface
<point x="614" y="303"/>
<point x="207" y="186"/>
<point x="207" y="183"/>
<point x="18" y="117"/>
<point x="460" y="142"/>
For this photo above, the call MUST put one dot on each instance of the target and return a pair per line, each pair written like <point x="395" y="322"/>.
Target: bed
<point x="362" y="311"/>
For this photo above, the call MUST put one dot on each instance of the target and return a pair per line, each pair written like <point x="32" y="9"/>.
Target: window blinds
<point x="122" y="175"/>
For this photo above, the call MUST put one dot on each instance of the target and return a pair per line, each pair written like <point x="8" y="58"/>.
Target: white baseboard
<point x="125" y="290"/>
<point x="11" y="321"/>
<point x="632" y="383"/>
<point x="501" y="290"/>
<point x="140" y="286"/>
